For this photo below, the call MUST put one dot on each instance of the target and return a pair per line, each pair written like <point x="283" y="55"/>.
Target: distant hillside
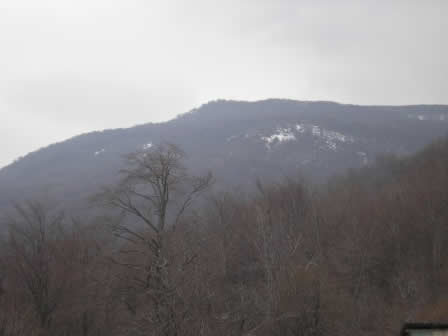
<point x="360" y="255"/>
<point x="238" y="141"/>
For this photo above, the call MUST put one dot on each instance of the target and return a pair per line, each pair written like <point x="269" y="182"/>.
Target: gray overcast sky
<point x="71" y="66"/>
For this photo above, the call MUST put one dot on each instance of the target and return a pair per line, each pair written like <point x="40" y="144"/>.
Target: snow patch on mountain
<point x="431" y="117"/>
<point x="288" y="133"/>
<point x="300" y="128"/>
<point x="281" y="135"/>
<point x="147" y="146"/>
<point x="99" y="152"/>
<point x="331" y="138"/>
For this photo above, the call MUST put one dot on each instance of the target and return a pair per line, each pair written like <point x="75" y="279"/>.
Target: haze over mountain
<point x="209" y="167"/>
<point x="70" y="67"/>
<point x="238" y="141"/>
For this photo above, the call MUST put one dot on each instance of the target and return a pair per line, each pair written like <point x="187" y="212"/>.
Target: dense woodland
<point x="167" y="255"/>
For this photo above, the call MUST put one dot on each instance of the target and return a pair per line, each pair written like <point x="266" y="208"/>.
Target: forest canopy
<point x="361" y="254"/>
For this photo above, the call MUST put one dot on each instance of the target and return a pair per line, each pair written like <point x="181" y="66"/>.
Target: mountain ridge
<point x="238" y="140"/>
<point x="220" y="101"/>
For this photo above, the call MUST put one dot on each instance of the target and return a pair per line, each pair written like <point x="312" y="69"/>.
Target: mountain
<point x="238" y="141"/>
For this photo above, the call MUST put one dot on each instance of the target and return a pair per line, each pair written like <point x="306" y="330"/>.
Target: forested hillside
<point x="238" y="141"/>
<point x="360" y="254"/>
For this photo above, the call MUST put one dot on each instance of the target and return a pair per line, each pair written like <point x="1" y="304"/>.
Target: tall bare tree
<point x="157" y="190"/>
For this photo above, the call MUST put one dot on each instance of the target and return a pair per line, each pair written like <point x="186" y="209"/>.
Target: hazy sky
<point x="72" y="66"/>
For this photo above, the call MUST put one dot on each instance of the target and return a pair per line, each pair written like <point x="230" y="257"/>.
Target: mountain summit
<point x="238" y="141"/>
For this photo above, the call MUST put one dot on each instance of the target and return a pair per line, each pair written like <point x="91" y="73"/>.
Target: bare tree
<point x="157" y="190"/>
<point x="38" y="258"/>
